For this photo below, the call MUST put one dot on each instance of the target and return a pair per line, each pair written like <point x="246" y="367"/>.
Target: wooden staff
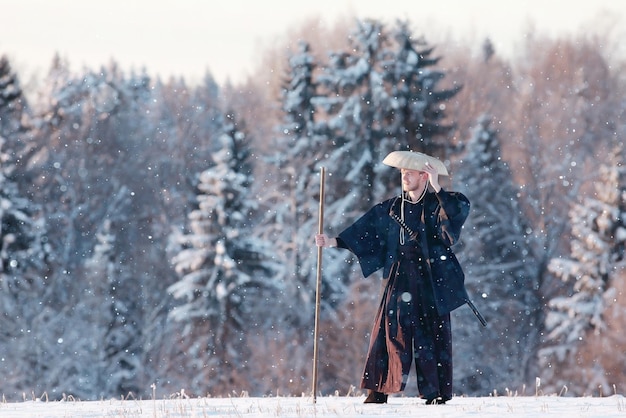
<point x="318" y="288"/>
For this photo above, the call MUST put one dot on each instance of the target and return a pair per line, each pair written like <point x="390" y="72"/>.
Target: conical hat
<point x="414" y="161"/>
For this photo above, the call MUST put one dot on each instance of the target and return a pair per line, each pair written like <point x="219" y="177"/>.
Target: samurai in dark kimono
<point x="410" y="237"/>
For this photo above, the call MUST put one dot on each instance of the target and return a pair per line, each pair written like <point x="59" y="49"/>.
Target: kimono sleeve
<point x="366" y="239"/>
<point x="455" y="208"/>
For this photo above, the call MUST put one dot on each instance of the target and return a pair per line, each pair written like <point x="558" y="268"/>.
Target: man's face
<point x="413" y="180"/>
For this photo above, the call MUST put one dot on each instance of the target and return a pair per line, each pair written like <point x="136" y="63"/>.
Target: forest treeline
<point x="157" y="235"/>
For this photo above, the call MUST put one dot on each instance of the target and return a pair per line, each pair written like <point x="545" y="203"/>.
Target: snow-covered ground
<point x="497" y="407"/>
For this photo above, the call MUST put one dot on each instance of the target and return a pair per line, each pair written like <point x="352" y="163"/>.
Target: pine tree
<point x="353" y="97"/>
<point x="24" y="252"/>
<point x="12" y="102"/>
<point x="577" y="319"/>
<point x="23" y="292"/>
<point x="500" y="269"/>
<point x="15" y="127"/>
<point x="419" y="122"/>
<point x="294" y="201"/>
<point x="221" y="267"/>
<point x="380" y="96"/>
<point x="414" y="116"/>
<point x="351" y="103"/>
<point x="120" y="324"/>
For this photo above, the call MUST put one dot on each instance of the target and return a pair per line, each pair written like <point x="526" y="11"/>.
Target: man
<point x="409" y="237"/>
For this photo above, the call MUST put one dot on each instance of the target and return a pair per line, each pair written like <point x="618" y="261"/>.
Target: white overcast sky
<point x="226" y="37"/>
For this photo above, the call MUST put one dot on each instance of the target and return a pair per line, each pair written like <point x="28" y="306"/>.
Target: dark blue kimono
<point x="424" y="283"/>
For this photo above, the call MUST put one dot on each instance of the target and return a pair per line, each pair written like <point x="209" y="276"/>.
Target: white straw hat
<point x="414" y="161"/>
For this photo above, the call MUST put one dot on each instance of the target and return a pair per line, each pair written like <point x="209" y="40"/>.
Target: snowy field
<point x="496" y="407"/>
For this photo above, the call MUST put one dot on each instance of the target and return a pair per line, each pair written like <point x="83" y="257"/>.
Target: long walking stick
<point x="318" y="288"/>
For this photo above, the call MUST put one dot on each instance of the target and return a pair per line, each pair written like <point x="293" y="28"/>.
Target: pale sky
<point x="227" y="37"/>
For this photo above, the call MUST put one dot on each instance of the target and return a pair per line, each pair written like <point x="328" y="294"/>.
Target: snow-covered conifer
<point x="12" y="102"/>
<point x="420" y="116"/>
<point x="592" y="274"/>
<point x="294" y="206"/>
<point x="500" y="272"/>
<point x="24" y="252"/>
<point x="222" y="266"/>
